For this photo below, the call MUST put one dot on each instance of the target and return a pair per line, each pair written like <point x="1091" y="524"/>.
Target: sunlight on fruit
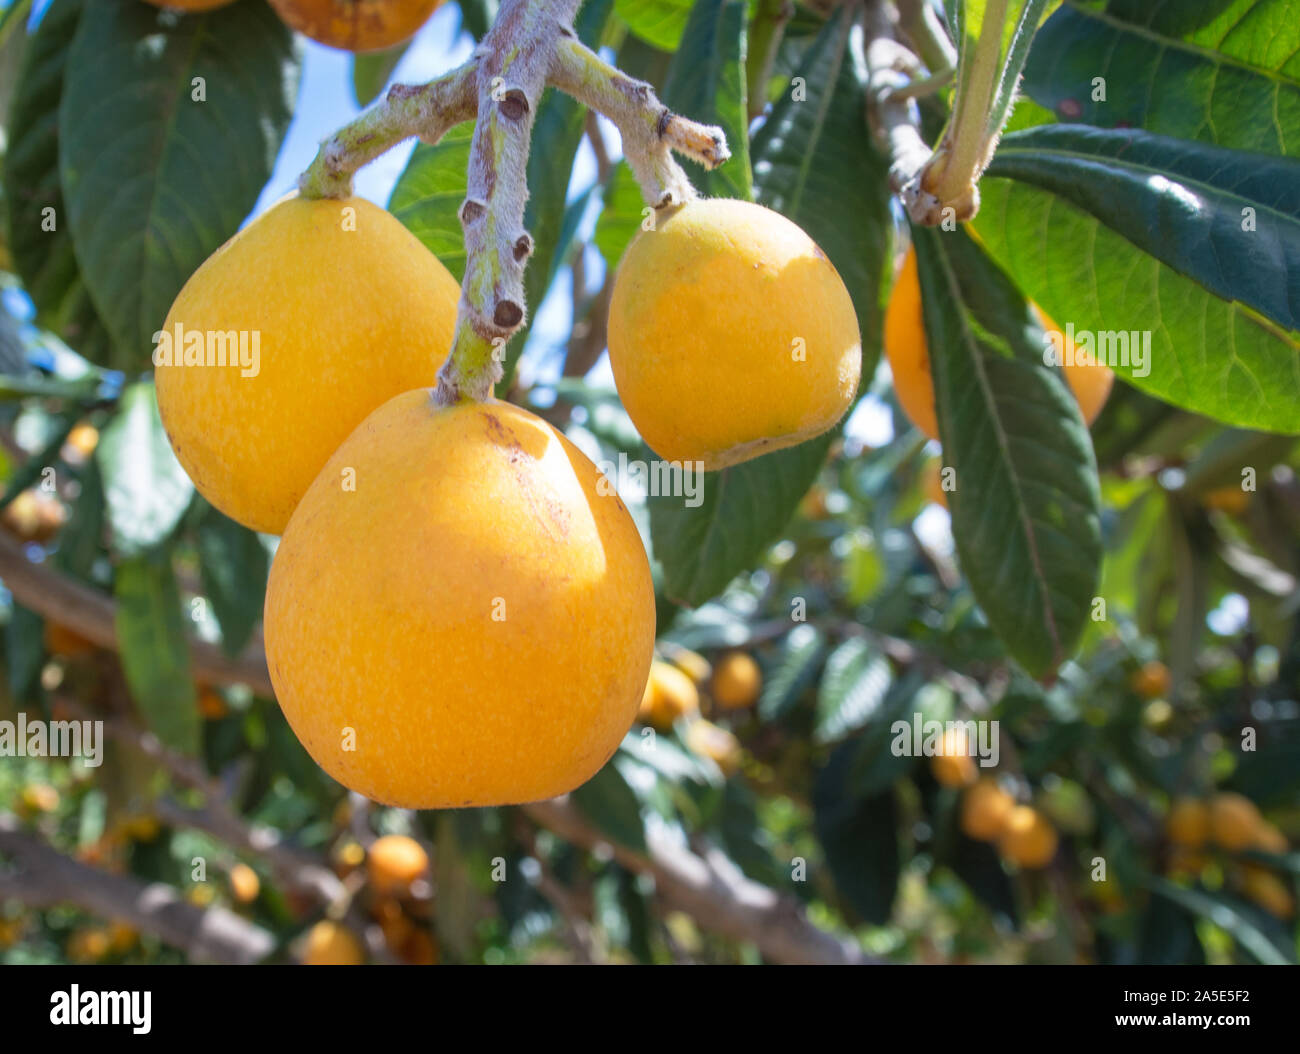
<point x="730" y="334"/>
<point x="356" y="25"/>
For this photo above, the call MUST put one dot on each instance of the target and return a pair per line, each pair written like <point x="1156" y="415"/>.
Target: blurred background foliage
<point x="832" y="566"/>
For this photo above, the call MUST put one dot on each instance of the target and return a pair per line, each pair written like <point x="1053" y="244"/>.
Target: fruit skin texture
<point x="702" y="328"/>
<point x="909" y="357"/>
<point x="1234" y="821"/>
<point x="737" y="680"/>
<point x="329" y="944"/>
<point x="477" y="611"/>
<point x="1188" y="823"/>
<point x="394" y="862"/>
<point x="954" y="767"/>
<point x="346" y="320"/>
<point x="668" y="695"/>
<point x="984" y="810"/>
<point x="1027" y="838"/>
<point x="355" y="25"/>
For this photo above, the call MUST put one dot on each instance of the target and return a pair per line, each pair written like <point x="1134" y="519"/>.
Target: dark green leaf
<point x="144" y="485"/>
<point x="977" y="864"/>
<point x="1227" y="916"/>
<point x="859" y="836"/>
<point x="1026" y="510"/>
<point x="155" y="179"/>
<point x="1220" y="73"/>
<point x="854" y="683"/>
<point x="39" y="236"/>
<point x="1182" y="203"/>
<point x="707" y="81"/>
<point x="477" y="16"/>
<point x="608" y="802"/>
<point x="370" y="72"/>
<point x="795" y="669"/>
<point x="622" y="212"/>
<point x="24" y="651"/>
<point x="1168" y="936"/>
<point x="154" y="648"/>
<point x="429" y="192"/>
<point x="233" y="564"/>
<point x="743" y="510"/>
<point x="34" y="467"/>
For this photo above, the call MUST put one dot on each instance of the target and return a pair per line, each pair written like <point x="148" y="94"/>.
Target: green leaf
<point x="854" y="683"/>
<point x="859" y="836"/>
<point x="707" y="81"/>
<point x="612" y="805"/>
<point x="1229" y="75"/>
<point x="44" y="257"/>
<point x="145" y="487"/>
<point x="814" y="163"/>
<point x="1227" y="916"/>
<point x="477" y="16"/>
<point x="155" y="651"/>
<point x="657" y="22"/>
<point x="977" y="864"/>
<point x="1180" y="202"/>
<point x="233" y="565"/>
<point x="795" y="669"/>
<point x="621" y="214"/>
<point x="429" y="192"/>
<point x="1215" y="357"/>
<point x="31" y="469"/>
<point x="743" y="510"/>
<point x="1168" y="936"/>
<point x="24" y="652"/>
<point x="155" y="180"/>
<point x="371" y="70"/>
<point x="1026" y="510"/>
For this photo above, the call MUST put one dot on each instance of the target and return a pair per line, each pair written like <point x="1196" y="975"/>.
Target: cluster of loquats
<point x="1231" y="823"/>
<point x="672" y="694"/>
<point x="350" y="25"/>
<point x="441" y="565"/>
<point x="1023" y="834"/>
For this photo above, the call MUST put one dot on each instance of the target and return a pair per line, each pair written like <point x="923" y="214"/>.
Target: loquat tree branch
<point x="40" y="876"/>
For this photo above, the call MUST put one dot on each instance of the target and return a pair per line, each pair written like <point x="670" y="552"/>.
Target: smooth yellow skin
<point x="356" y="25"/>
<point x="329" y="944"/>
<point x="476" y="610"/>
<point x="347" y="319"/>
<point x="244" y="884"/>
<point x="394" y="862"/>
<point x="668" y="694"/>
<point x="954" y="767"/>
<point x="1234" y="821"/>
<point x="704" y="325"/>
<point x="1188" y="823"/>
<point x="984" y="810"/>
<point x="1027" y="838"/>
<point x="909" y="357"/>
<point x="737" y="680"/>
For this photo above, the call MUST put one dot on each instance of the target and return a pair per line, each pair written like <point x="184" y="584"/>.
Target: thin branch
<point x="43" y="877"/>
<point x="712" y="890"/>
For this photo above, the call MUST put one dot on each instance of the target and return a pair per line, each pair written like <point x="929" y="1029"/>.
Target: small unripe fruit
<point x="737" y="681"/>
<point x="730" y="334"/>
<point x="244" y="884"/>
<point x="473" y="625"/>
<point x="953" y="766"/>
<point x="395" y="862"/>
<point x="1151" y="681"/>
<point x="356" y="25"/>
<point x="1188" y="823"/>
<point x="1234" y="821"/>
<point x="717" y="744"/>
<point x="909" y="357"/>
<point x="347" y="308"/>
<point x="1027" y="838"/>
<point x="668" y="695"/>
<point x="984" y="810"/>
<point x="329" y="944"/>
<point x="1269" y="892"/>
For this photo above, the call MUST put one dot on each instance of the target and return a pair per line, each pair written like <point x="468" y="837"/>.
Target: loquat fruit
<point x="737" y="681"/>
<point x="717" y="744"/>
<point x="668" y="695"/>
<point x="1027" y="838"/>
<point x="356" y="25"/>
<point x="1188" y="823"/>
<point x="984" y="810"/>
<point x="395" y="862"/>
<point x="953" y="766"/>
<point x="1234" y="821"/>
<point x="330" y="944"/>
